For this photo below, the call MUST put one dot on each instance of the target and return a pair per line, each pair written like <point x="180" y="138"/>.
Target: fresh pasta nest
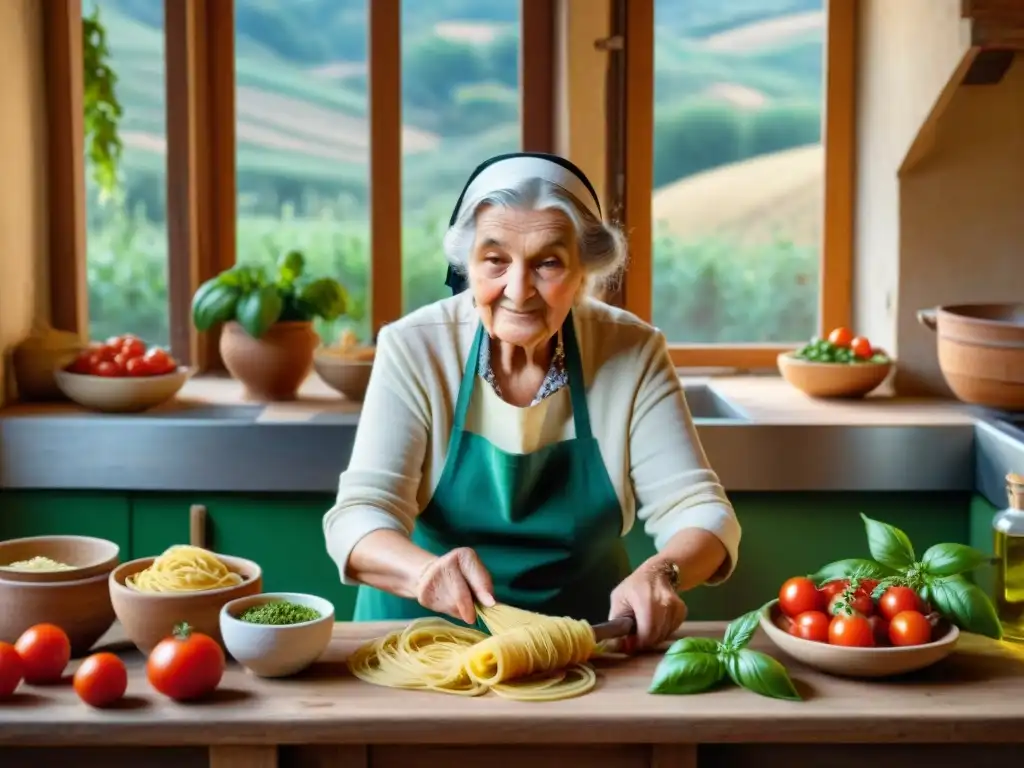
<point x="184" y="568"/>
<point x="527" y="656"/>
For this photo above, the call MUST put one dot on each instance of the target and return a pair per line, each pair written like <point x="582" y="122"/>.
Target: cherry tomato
<point x="832" y="588"/>
<point x="45" y="651"/>
<point x="898" y="599"/>
<point x="138" y="366"/>
<point x="811" y="625"/>
<point x="910" y="628"/>
<point x="187" y="665"/>
<point x="107" y="368"/>
<point x="859" y="601"/>
<point x="159" y="361"/>
<point x="880" y="629"/>
<point x="133" y="347"/>
<point x="841" y="336"/>
<point x="868" y="585"/>
<point x="799" y="594"/>
<point x="101" y="680"/>
<point x="81" y="364"/>
<point x="12" y="670"/>
<point x="861" y="348"/>
<point x="851" y="631"/>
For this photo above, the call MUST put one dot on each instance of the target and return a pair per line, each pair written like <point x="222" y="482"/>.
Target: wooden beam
<point x="639" y="138"/>
<point x="385" y="94"/>
<point x="65" y="138"/>
<point x="537" y="75"/>
<point x="201" y="189"/>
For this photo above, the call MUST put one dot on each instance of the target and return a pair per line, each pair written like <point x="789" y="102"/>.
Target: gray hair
<point x="602" y="247"/>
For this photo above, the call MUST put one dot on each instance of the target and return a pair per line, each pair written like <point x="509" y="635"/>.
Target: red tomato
<point x="133" y="347"/>
<point x="799" y="594"/>
<point x="45" y="651"/>
<point x="138" y="366"/>
<point x="868" y="585"/>
<point x="159" y="361"/>
<point x="81" y="363"/>
<point x="861" y="348"/>
<point x="880" y="629"/>
<point x="187" y="665"/>
<point x="101" y="680"/>
<point x="832" y="588"/>
<point x="12" y="670"/>
<point x="851" y="631"/>
<point x="811" y="625"/>
<point x="859" y="601"/>
<point x="910" y="628"/>
<point x="898" y="599"/>
<point x="107" y="368"/>
<point x="841" y="337"/>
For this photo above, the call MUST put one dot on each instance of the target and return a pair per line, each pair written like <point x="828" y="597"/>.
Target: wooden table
<point x="968" y="708"/>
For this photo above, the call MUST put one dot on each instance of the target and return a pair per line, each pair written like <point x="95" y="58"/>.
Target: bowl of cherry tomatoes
<point x="121" y="375"/>
<point x="853" y="629"/>
<point x="841" y="365"/>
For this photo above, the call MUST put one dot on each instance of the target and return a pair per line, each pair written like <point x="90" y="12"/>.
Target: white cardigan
<point x="637" y="411"/>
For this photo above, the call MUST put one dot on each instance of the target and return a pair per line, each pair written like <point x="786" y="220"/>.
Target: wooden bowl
<point x="149" y="617"/>
<point x="344" y="372"/>
<point x="81" y="608"/>
<point x="89" y="557"/>
<point x="859" y="662"/>
<point x="832" y="379"/>
<point x="121" y="394"/>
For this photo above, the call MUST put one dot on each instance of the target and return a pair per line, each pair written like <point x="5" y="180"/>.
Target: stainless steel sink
<point x="707" y="405"/>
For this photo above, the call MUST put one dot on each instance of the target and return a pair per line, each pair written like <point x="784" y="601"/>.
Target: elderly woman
<point x="513" y="434"/>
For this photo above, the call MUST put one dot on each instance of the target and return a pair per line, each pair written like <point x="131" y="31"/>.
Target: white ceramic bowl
<point x="270" y="650"/>
<point x="127" y="394"/>
<point x="859" y="662"/>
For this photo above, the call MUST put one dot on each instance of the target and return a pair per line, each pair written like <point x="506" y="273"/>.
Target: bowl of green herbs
<point x="841" y="365"/>
<point x="277" y="634"/>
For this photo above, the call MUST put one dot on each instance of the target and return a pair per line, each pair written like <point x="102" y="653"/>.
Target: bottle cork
<point x="1015" y="490"/>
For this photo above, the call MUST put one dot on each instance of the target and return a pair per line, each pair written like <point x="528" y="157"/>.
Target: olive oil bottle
<point x="1008" y="528"/>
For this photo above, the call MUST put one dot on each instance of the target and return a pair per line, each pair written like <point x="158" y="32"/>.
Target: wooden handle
<point x="197" y="526"/>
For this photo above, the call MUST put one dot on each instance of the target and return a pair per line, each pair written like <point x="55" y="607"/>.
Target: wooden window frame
<point x="199" y="39"/>
<point x="839" y="141"/>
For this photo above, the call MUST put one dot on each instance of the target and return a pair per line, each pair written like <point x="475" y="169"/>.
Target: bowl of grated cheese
<point x="48" y="559"/>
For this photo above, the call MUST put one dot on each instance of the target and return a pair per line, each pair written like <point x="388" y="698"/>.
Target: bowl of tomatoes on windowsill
<point x="841" y="365"/>
<point x="846" y="628"/>
<point x="121" y="375"/>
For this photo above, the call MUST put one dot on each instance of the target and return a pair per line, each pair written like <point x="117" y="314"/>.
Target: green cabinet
<point x="283" y="534"/>
<point x="45" y="513"/>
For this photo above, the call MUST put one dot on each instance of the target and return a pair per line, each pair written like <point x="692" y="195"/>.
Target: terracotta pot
<point x="273" y="366"/>
<point x="981" y="352"/>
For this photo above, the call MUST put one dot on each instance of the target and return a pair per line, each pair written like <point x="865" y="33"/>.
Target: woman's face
<point x="524" y="272"/>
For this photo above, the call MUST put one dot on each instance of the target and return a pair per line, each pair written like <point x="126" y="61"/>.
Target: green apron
<point x="547" y="525"/>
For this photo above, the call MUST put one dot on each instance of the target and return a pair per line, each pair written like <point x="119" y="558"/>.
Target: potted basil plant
<point x="268" y="340"/>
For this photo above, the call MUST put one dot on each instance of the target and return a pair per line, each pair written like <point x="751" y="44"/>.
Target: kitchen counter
<point x="966" y="705"/>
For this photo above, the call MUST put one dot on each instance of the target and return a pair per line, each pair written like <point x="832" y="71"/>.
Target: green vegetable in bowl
<point x="842" y="347"/>
<point x="280" y="613"/>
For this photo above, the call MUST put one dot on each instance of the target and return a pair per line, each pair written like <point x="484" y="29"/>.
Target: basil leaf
<point x="739" y="631"/>
<point x="854" y="568"/>
<point x="693" y="645"/>
<point x="760" y="673"/>
<point x="888" y="544"/>
<point x="686" y="673"/>
<point x="965" y="605"/>
<point x="951" y="559"/>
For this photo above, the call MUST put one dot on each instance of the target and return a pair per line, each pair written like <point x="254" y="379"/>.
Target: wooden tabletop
<point x="975" y="695"/>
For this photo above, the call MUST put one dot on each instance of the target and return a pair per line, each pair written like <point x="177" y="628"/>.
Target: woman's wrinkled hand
<point x="454" y="583"/>
<point x="650" y="599"/>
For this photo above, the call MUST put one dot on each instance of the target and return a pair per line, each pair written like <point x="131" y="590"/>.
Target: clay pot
<point x="273" y="366"/>
<point x="981" y="352"/>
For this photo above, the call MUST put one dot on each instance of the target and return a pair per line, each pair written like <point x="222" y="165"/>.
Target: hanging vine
<point x="102" y="109"/>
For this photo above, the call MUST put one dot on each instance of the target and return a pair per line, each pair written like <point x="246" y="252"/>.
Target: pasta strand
<point x="184" y="568"/>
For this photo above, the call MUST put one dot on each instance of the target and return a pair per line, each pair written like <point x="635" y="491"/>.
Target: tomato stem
<point x="182" y="631"/>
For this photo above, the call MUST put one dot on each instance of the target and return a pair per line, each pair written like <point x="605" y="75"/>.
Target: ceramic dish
<point x="276" y="650"/>
<point x="87" y="556"/>
<point x="121" y="394"/>
<point x="832" y="379"/>
<point x="859" y="662"/>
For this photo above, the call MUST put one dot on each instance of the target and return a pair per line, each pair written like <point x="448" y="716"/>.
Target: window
<point x="740" y="121"/>
<point x="341" y="128"/>
<point x="126" y="226"/>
